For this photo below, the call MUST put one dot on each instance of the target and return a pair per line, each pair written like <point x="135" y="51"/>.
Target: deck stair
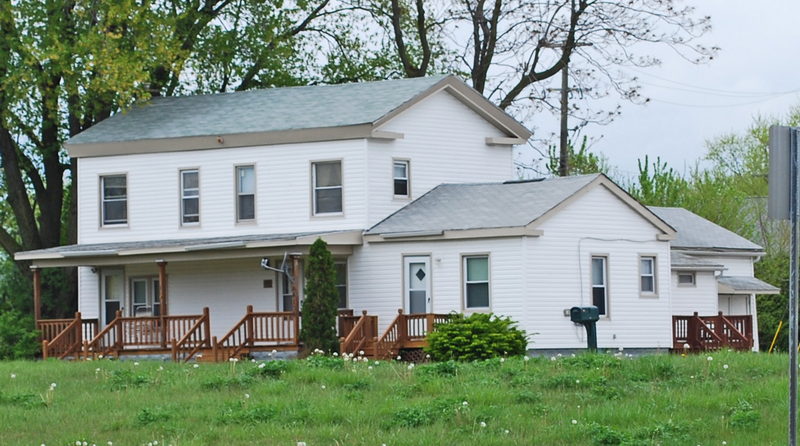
<point x="701" y="333"/>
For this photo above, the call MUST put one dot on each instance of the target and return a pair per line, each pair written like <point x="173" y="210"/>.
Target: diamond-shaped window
<point x="420" y="274"/>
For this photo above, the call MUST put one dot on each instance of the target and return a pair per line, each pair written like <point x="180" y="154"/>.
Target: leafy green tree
<point x="581" y="162"/>
<point x="321" y="300"/>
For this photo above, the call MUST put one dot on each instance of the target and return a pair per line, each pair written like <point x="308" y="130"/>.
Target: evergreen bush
<point x="18" y="339"/>
<point x="321" y="301"/>
<point x="477" y="337"/>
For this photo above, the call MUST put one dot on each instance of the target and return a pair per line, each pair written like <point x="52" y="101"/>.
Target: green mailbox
<point x="588" y="317"/>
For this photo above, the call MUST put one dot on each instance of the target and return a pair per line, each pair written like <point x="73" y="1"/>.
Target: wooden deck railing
<point x="407" y="331"/>
<point x="140" y="333"/>
<point x="195" y="339"/>
<point x="257" y="330"/>
<point x="712" y="332"/>
<point x="364" y="332"/>
<point x="59" y="336"/>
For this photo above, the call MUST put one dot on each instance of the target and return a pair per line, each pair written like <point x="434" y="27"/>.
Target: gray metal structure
<point x="784" y="184"/>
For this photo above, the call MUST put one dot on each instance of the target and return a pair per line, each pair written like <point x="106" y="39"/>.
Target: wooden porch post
<point x="296" y="297"/>
<point x="162" y="287"/>
<point x="37" y="293"/>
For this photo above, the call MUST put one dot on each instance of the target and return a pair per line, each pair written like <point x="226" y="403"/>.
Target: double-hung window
<point x="245" y="193"/>
<point x="401" y="179"/>
<point x="476" y="282"/>
<point x="190" y="197"/>
<point x="327" y="184"/>
<point x="647" y="275"/>
<point x="599" y="283"/>
<point x="114" y="196"/>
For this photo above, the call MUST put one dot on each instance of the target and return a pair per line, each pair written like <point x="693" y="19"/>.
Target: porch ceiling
<point x="744" y="285"/>
<point x="98" y="254"/>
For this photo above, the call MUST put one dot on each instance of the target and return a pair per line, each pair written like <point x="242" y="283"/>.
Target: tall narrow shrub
<point x="321" y="300"/>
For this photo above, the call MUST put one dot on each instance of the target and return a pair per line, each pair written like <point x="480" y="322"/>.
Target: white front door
<point x="113" y="292"/>
<point x="145" y="297"/>
<point x="417" y="284"/>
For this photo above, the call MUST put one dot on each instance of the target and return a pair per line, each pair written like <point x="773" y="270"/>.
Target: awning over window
<point x="744" y="285"/>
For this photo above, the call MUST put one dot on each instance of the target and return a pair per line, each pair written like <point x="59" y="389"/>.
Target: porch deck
<point x="187" y="337"/>
<point x="701" y="333"/>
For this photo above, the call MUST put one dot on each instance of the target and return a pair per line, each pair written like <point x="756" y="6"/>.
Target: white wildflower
<point x="428" y="356"/>
<point x="13" y="375"/>
<point x="502" y="359"/>
<point x="465" y="404"/>
<point x="399" y="358"/>
<point x="335" y="354"/>
<point x="161" y="368"/>
<point x="262" y="365"/>
<point x="577" y="381"/>
<point x="725" y="366"/>
<point x="483" y="424"/>
<point x="52" y="386"/>
<point x="552" y="358"/>
<point x="135" y="363"/>
<point x="323" y="387"/>
<point x="527" y="358"/>
<point x="301" y="443"/>
<point x="506" y="431"/>
<point x="369" y="368"/>
<point x="196" y="365"/>
<point x="361" y="353"/>
<point x="411" y="366"/>
<point x="246" y="396"/>
<point x="710" y="358"/>
<point x="574" y="421"/>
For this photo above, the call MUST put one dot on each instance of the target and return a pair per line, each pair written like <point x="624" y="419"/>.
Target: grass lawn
<point x="734" y="399"/>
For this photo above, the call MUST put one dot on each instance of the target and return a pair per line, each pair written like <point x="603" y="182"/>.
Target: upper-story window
<point x="402" y="186"/>
<point x="190" y="196"/>
<point x="114" y="197"/>
<point x="327" y="183"/>
<point x="245" y="193"/>
<point x="647" y="275"/>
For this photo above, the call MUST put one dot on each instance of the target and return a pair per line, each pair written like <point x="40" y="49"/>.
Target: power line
<point x="709" y="89"/>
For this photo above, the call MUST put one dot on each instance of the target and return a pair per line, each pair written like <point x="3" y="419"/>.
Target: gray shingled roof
<point x="679" y="260"/>
<point x="481" y="205"/>
<point x="195" y="244"/>
<point x="265" y="110"/>
<point x="744" y="284"/>
<point x="695" y="232"/>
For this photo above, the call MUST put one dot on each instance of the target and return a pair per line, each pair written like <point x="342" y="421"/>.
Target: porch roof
<point x="685" y="262"/>
<point x="91" y="254"/>
<point x="697" y="233"/>
<point x="744" y="285"/>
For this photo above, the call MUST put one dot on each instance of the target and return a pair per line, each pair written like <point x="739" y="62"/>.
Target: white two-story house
<point x="212" y="201"/>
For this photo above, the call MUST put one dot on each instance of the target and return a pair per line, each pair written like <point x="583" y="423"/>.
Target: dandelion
<point x="246" y="396"/>
<point x="411" y="366"/>
<point x="199" y="355"/>
<point x="110" y="443"/>
<point x="710" y="358"/>
<point x="526" y="358"/>
<point x="135" y="363"/>
<point x="559" y="355"/>
<point x="13" y="375"/>
<point x="552" y="358"/>
<point x="262" y="365"/>
<point x="100" y="356"/>
<point x="196" y="366"/>
<point x="78" y="443"/>
<point x="361" y="353"/>
<point x="691" y="377"/>
<point x="724" y="442"/>
<point x="483" y="424"/>
<point x="301" y="443"/>
<point x="274" y="351"/>
<point x="574" y="421"/>
<point x="465" y="404"/>
<point x="502" y="359"/>
<point x="428" y="356"/>
<point x="620" y="348"/>
<point x="725" y="366"/>
<point x="161" y="368"/>
<point x="233" y="359"/>
<point x="506" y="431"/>
<point x="52" y="386"/>
<point x="335" y="354"/>
<point x="323" y="387"/>
<point x="369" y="368"/>
<point x="399" y="358"/>
<point x="577" y="381"/>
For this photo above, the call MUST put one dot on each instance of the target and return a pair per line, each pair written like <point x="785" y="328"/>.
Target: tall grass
<point x="583" y="400"/>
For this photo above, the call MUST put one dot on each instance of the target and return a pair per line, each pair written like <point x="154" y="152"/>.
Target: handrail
<point x="712" y="332"/>
<point x="152" y="332"/>
<point x="197" y="336"/>
<point x="66" y="342"/>
<point x="266" y="327"/>
<point x="356" y="334"/>
<point x="391" y="338"/>
<point x="94" y="345"/>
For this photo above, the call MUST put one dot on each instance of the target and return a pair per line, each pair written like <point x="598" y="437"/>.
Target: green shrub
<point x="242" y="413"/>
<point x="325" y="362"/>
<point x="148" y="416"/>
<point x="743" y="415"/>
<point x="479" y="336"/>
<point x="447" y="368"/>
<point x="18" y="339"/>
<point x="321" y="301"/>
<point x="270" y="369"/>
<point x="125" y="379"/>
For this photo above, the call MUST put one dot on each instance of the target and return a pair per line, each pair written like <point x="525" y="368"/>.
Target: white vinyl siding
<point x="114" y="197"/>
<point x="190" y="197"/>
<point x="245" y="193"/>
<point x="327" y="183"/>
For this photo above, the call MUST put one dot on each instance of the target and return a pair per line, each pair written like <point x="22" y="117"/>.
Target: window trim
<point x="313" y="169"/>
<point x="407" y="178"/>
<point x="102" y="200"/>
<point x="236" y="194"/>
<point x="654" y="259"/>
<point x="181" y="191"/>
<point x="606" y="284"/>
<point x="464" y="282"/>
<point x="692" y="274"/>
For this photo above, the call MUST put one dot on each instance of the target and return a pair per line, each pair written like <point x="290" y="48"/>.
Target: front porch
<point x="700" y="333"/>
<point x="186" y="337"/>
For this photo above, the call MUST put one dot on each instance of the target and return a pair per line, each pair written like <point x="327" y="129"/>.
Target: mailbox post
<point x="588" y="317"/>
